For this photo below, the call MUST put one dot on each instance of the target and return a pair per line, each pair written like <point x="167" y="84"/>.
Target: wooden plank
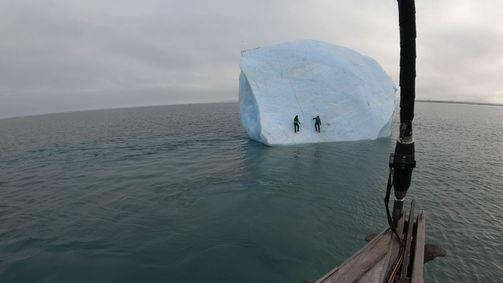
<point x="361" y="262"/>
<point x="408" y="242"/>
<point x="374" y="274"/>
<point x="418" y="261"/>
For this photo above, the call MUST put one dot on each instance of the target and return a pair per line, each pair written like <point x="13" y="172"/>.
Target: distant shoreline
<point x="119" y="108"/>
<point x="459" y="102"/>
<point x="226" y="101"/>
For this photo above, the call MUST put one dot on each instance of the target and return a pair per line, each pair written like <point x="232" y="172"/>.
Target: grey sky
<point x="64" y="55"/>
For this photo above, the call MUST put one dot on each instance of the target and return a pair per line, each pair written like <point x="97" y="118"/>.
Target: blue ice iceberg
<point x="351" y="93"/>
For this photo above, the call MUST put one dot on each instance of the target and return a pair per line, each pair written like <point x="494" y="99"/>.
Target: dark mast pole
<point x="403" y="160"/>
<point x="407" y="21"/>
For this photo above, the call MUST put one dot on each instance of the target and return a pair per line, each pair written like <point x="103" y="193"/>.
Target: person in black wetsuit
<point x="317" y="123"/>
<point x="296" y="124"/>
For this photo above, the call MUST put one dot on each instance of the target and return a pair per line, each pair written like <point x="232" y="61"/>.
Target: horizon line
<point x="226" y="101"/>
<point x="459" y="102"/>
<point x="118" y="108"/>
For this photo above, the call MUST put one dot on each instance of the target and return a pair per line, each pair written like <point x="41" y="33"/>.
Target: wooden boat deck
<point x="373" y="261"/>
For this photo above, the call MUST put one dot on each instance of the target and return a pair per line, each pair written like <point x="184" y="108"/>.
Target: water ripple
<point x="179" y="194"/>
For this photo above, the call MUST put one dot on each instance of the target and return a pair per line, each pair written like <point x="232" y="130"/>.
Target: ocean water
<point x="179" y="194"/>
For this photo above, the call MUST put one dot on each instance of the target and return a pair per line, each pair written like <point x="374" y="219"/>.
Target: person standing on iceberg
<point x="317" y="123"/>
<point x="296" y="124"/>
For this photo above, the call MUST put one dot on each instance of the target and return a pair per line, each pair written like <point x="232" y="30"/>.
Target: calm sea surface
<point x="179" y="194"/>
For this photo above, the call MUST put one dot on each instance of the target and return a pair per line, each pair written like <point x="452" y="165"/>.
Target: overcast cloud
<point x="65" y="55"/>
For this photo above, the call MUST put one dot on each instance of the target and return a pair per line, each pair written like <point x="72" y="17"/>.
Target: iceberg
<point x="351" y="93"/>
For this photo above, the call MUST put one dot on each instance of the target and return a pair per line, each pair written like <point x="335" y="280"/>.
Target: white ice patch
<point x="350" y="92"/>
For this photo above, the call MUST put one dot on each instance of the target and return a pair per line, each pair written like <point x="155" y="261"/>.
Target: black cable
<point x="392" y="226"/>
<point x="386" y="203"/>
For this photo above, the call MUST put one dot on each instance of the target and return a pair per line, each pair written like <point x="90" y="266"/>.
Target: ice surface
<point x="351" y="92"/>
